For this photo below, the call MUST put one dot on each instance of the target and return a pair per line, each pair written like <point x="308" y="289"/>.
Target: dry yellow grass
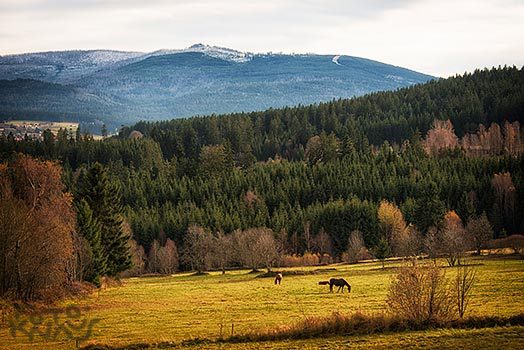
<point x="181" y="307"/>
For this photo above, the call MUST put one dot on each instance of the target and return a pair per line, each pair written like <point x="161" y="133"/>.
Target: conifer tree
<point x="382" y="250"/>
<point x="430" y="209"/>
<point x="89" y="229"/>
<point x="103" y="197"/>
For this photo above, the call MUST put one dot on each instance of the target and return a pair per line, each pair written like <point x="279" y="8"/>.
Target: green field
<point x="53" y="126"/>
<point x="183" y="306"/>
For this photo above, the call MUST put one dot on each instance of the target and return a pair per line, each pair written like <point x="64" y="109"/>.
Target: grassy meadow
<point x="53" y="126"/>
<point x="184" y="306"/>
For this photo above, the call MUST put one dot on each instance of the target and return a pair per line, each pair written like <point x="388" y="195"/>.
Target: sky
<point x="437" y="37"/>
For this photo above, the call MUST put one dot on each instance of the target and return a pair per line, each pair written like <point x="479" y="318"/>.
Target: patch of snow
<point x="335" y="60"/>
<point x="107" y="57"/>
<point x="395" y="77"/>
<point x="211" y="51"/>
<point x="71" y="59"/>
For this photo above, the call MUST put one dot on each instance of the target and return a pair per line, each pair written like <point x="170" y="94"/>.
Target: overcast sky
<point x="438" y="37"/>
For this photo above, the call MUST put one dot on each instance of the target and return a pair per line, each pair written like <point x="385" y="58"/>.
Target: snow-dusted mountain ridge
<point x="122" y="87"/>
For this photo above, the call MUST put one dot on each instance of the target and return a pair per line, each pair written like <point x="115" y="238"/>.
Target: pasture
<point x="184" y="306"/>
<point x="53" y="126"/>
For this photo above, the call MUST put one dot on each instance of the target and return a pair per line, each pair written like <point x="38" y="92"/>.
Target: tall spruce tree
<point x="429" y="209"/>
<point x="103" y="197"/>
<point x="382" y="250"/>
<point x="89" y="228"/>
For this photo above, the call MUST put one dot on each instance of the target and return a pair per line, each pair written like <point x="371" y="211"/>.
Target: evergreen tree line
<point x="482" y="97"/>
<point x="327" y="165"/>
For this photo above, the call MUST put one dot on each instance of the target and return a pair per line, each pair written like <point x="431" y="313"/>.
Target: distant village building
<point x="32" y="130"/>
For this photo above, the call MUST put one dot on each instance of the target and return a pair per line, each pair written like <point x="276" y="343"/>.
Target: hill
<point x="328" y="165"/>
<point x="31" y="99"/>
<point x="124" y="87"/>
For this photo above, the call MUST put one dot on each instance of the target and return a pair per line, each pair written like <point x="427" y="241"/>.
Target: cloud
<point x="439" y="37"/>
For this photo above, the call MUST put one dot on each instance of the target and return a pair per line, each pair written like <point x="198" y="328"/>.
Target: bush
<point x="308" y="259"/>
<point x="421" y="294"/>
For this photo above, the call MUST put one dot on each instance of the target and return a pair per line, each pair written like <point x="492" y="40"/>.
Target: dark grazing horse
<point x="337" y="282"/>
<point x="278" y="278"/>
<point x="340" y="283"/>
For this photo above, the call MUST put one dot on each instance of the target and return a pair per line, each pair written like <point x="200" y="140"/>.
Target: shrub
<point x="464" y="282"/>
<point x="420" y="294"/>
<point x="326" y="259"/>
<point x="308" y="259"/>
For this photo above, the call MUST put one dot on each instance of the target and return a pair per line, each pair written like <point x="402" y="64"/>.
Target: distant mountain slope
<point x="121" y="87"/>
<point x="38" y="100"/>
<point x="60" y="66"/>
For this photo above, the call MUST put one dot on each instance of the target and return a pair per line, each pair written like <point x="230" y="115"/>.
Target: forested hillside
<point x="325" y="166"/>
<point x="124" y="87"/>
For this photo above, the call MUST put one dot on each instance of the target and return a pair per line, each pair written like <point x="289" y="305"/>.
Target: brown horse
<point x="337" y="282"/>
<point x="278" y="278"/>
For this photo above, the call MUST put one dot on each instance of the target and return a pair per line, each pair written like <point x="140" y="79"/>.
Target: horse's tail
<point x="323" y="283"/>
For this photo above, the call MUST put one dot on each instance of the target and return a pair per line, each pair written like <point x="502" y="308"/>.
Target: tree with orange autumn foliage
<point x="400" y="237"/>
<point x="441" y="136"/>
<point x="37" y="224"/>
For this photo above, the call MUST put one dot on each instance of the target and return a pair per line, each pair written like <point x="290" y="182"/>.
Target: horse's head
<point x="349" y="287"/>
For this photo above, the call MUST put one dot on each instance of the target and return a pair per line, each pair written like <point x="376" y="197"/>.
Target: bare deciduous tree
<point x="464" y="282"/>
<point x="323" y="243"/>
<point x="267" y="248"/>
<point x="168" y="258"/>
<point x="256" y="247"/>
<point x="480" y="230"/>
<point x="198" y="248"/>
<point x="453" y="241"/>
<point x="83" y="259"/>
<point x="356" y="247"/>
<point x="307" y="237"/>
<point x="138" y="260"/>
<point x="431" y="243"/>
<point x="413" y="244"/>
<point x="223" y="251"/>
<point x="153" y="257"/>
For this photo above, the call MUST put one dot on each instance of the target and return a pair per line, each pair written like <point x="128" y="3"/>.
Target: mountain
<point x="39" y="100"/>
<point x="120" y="87"/>
<point x="61" y="66"/>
